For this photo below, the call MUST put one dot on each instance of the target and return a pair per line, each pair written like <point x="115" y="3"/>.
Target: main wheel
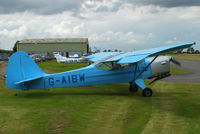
<point x="147" y="92"/>
<point x="133" y="88"/>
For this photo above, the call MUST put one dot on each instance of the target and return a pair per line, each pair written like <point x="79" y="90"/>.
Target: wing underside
<point x="136" y="56"/>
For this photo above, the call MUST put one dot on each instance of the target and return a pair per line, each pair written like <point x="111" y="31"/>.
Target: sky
<point x="109" y="24"/>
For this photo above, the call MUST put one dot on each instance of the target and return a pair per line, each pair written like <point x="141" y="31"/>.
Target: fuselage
<point x="91" y="75"/>
<point x="101" y="74"/>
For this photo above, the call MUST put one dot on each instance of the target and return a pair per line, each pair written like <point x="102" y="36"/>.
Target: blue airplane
<point x="108" y="67"/>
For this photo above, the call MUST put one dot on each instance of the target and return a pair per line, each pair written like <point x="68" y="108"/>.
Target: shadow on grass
<point x="74" y="93"/>
<point x="104" y="90"/>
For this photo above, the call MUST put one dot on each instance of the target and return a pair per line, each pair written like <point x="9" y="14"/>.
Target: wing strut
<point x="135" y="71"/>
<point x="146" y="68"/>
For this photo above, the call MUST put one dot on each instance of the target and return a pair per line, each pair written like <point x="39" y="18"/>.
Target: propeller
<point x="176" y="62"/>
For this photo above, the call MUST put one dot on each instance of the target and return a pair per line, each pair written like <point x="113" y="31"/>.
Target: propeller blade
<point x="176" y="62"/>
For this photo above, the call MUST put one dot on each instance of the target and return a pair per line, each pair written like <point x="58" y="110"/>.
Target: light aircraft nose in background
<point x="109" y="67"/>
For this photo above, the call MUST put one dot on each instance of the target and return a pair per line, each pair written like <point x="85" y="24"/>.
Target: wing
<point x="101" y="56"/>
<point x="136" y="56"/>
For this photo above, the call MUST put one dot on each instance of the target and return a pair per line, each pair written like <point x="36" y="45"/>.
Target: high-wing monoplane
<point x="108" y="67"/>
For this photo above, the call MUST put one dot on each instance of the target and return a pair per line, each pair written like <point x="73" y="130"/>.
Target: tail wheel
<point x="147" y="92"/>
<point x="133" y="88"/>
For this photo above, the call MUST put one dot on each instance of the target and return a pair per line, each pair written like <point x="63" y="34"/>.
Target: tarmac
<point x="187" y="65"/>
<point x="3" y="67"/>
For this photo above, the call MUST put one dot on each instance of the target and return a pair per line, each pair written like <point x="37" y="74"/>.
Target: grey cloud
<point x="39" y="6"/>
<point x="106" y="9"/>
<point x="166" y="3"/>
<point x="57" y="6"/>
<point x="103" y="8"/>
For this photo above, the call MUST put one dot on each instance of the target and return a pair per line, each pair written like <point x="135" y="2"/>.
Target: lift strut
<point x="145" y="68"/>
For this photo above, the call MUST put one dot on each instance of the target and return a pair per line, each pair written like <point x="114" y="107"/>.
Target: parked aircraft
<point x="62" y="59"/>
<point x="109" y="67"/>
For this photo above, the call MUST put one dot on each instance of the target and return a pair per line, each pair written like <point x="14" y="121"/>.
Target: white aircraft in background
<point x="62" y="59"/>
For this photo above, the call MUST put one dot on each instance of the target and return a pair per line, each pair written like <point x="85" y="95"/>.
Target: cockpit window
<point x="105" y="66"/>
<point x="110" y="66"/>
<point x="125" y="65"/>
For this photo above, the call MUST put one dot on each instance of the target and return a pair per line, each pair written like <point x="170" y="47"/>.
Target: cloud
<point x="166" y="3"/>
<point x="39" y="6"/>
<point x="113" y="24"/>
<point x="76" y="6"/>
<point x="55" y="7"/>
<point x="101" y="5"/>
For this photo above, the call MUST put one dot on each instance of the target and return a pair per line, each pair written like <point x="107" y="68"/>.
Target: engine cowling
<point x="160" y="66"/>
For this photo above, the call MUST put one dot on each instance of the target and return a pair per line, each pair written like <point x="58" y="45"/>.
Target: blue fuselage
<point x="91" y="75"/>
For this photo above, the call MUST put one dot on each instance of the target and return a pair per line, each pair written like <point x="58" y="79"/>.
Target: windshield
<point x="111" y="65"/>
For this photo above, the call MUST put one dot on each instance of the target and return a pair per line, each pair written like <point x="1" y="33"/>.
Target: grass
<point x="174" y="108"/>
<point x="195" y="57"/>
<point x="101" y="109"/>
<point x="177" y="71"/>
<point x="60" y="67"/>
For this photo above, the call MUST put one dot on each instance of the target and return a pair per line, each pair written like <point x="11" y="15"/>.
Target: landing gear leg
<point x="133" y="88"/>
<point x="16" y="94"/>
<point x="147" y="92"/>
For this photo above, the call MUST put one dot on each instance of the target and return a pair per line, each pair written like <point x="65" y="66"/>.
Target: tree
<point x="90" y="50"/>
<point x="179" y="51"/>
<point x="116" y="50"/>
<point x="15" y="47"/>
<point x="196" y="52"/>
<point x="104" y="50"/>
<point x="190" y="50"/>
<point x="97" y="51"/>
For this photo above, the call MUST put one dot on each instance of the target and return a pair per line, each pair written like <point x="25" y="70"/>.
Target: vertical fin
<point x="21" y="68"/>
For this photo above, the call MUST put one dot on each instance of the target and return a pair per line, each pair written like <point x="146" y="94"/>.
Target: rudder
<point x="21" y="68"/>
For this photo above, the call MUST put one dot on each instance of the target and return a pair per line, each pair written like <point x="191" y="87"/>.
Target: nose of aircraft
<point x="160" y="66"/>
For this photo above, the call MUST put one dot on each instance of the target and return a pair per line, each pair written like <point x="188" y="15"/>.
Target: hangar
<point x="63" y="45"/>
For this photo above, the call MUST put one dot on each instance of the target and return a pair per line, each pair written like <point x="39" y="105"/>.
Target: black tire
<point x="147" y="92"/>
<point x="133" y="88"/>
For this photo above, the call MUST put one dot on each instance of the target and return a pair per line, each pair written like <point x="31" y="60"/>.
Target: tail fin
<point x="21" y="68"/>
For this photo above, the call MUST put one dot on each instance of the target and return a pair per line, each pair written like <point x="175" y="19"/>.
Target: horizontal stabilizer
<point x="28" y="79"/>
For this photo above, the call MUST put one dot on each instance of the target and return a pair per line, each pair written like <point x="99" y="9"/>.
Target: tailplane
<point x="21" y="69"/>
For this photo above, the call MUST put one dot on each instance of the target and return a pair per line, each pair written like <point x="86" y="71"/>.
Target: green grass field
<point x="53" y="66"/>
<point x="101" y="109"/>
